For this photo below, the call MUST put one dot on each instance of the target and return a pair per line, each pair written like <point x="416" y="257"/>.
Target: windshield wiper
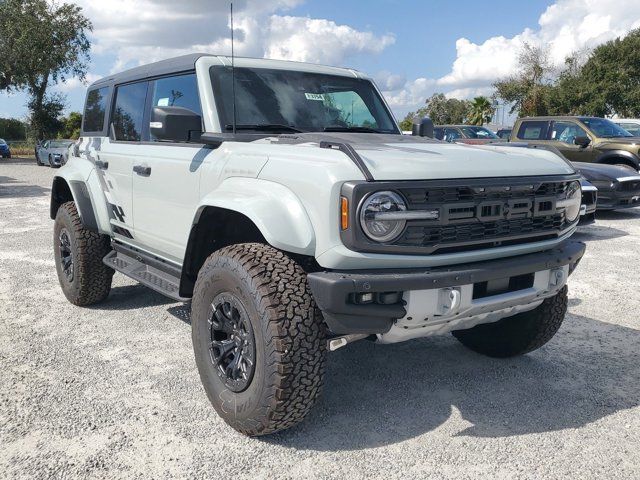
<point x="265" y="127"/>
<point x="338" y="128"/>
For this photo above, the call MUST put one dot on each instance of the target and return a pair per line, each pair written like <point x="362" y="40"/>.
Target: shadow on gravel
<point x="384" y="394"/>
<point x="182" y="312"/>
<point x="12" y="188"/>
<point x="131" y="297"/>
<point x="596" y="232"/>
<point x="618" y="214"/>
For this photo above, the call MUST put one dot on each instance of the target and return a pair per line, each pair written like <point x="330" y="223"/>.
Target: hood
<point x="59" y="150"/>
<point x="403" y="157"/>
<point x="620" y="141"/>
<point x="603" y="172"/>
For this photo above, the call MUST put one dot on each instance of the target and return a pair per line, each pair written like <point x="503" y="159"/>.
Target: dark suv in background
<point x="581" y="139"/>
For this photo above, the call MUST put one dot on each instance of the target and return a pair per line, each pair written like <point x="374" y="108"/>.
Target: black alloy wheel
<point x="232" y="342"/>
<point x="66" y="254"/>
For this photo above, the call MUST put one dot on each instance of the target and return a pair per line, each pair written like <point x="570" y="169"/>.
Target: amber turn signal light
<point x="344" y="213"/>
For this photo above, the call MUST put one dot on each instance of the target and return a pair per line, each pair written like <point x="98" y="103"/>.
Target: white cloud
<point x="565" y="27"/>
<point x="73" y="83"/>
<point x="142" y="31"/>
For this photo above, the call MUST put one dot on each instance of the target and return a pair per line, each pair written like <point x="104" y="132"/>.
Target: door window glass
<point x="451" y="134"/>
<point x="566" y="132"/>
<point x="178" y="91"/>
<point x="128" y="113"/>
<point x="532" y="130"/>
<point x="93" y="120"/>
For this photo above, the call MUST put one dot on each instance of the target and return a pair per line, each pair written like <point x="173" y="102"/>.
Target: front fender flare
<point x="274" y="209"/>
<point x="609" y="154"/>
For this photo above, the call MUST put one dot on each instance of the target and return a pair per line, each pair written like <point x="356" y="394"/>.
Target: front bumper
<point x="335" y="292"/>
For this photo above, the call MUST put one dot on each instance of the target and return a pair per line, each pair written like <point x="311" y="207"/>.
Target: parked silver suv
<point x="282" y="200"/>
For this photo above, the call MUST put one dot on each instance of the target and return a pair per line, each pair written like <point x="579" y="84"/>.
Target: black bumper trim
<point x="331" y="289"/>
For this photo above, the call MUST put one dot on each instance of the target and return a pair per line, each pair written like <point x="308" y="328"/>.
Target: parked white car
<point x="53" y="153"/>
<point x="631" y="125"/>
<point x="298" y="218"/>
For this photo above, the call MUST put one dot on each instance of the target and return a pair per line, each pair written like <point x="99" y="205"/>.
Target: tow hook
<point x="339" y="342"/>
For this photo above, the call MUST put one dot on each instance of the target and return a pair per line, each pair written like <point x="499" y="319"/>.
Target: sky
<point x="411" y="48"/>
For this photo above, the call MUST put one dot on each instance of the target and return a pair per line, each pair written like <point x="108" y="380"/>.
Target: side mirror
<point x="423" y="129"/>
<point x="175" y="124"/>
<point x="582" y="141"/>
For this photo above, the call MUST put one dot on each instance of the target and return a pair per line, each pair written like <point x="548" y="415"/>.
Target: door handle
<point x="142" y="170"/>
<point x="102" y="165"/>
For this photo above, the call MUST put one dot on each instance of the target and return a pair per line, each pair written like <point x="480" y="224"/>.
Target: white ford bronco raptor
<point x="282" y="200"/>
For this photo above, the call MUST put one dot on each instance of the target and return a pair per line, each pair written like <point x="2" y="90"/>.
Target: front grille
<point x="480" y="232"/>
<point x="629" y="186"/>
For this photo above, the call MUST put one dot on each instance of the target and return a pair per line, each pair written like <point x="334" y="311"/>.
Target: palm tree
<point x="481" y="111"/>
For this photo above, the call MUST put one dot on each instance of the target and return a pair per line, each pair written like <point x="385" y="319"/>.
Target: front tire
<point x="78" y="252"/>
<point x="518" y="334"/>
<point x="259" y="339"/>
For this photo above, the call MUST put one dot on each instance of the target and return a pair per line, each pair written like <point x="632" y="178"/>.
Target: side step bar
<point x="161" y="281"/>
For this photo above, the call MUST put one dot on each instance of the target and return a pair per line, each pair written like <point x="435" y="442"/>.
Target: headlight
<point x="378" y="216"/>
<point x="572" y="202"/>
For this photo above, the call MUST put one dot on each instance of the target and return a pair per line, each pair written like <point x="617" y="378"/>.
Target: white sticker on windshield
<point x="314" y="96"/>
<point x="163" y="102"/>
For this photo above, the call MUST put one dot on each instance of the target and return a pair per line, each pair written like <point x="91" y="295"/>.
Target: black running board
<point x="158" y="280"/>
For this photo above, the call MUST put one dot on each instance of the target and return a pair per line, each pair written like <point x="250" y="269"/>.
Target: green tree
<point x="12" y="129"/>
<point x="481" y="111"/>
<point x="45" y="117"/>
<point x="42" y="43"/>
<point x="609" y="81"/>
<point x="71" y="126"/>
<point x="529" y="89"/>
<point x="441" y="110"/>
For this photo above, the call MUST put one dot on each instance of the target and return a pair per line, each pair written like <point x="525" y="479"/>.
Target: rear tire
<point x="274" y="335"/>
<point x="519" y="334"/>
<point x="83" y="277"/>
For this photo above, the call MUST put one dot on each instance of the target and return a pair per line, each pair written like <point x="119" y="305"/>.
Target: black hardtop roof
<point x="183" y="63"/>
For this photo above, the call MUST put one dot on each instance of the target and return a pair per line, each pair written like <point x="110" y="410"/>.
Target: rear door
<point x="117" y="153"/>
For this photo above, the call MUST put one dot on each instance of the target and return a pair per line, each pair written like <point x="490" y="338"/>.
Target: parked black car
<point x="618" y="186"/>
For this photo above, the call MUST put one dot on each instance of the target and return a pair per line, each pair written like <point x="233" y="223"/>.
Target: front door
<point x="562" y="135"/>
<point x="166" y="175"/>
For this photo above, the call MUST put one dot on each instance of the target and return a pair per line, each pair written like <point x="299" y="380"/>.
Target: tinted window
<point x="301" y="100"/>
<point x="451" y="134"/>
<point x="438" y="133"/>
<point x="566" y="132"/>
<point x="128" y="113"/>
<point x="93" y="120"/>
<point x="180" y="91"/>
<point x="532" y="130"/>
<point x="478" y="132"/>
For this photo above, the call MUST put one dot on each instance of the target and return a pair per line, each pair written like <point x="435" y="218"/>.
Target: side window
<point x="128" y="113"/>
<point x="178" y="91"/>
<point x="566" y="132"/>
<point x="438" y="133"/>
<point x="451" y="134"/>
<point x="534" y="130"/>
<point x="95" y="109"/>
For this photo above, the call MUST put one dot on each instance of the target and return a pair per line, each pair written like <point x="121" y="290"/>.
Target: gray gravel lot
<point x="112" y="391"/>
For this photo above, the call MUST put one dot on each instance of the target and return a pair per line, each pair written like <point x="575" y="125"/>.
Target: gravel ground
<point x="112" y="391"/>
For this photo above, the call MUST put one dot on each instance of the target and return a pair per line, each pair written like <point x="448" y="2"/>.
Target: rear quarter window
<point x="535" y="130"/>
<point x="95" y="110"/>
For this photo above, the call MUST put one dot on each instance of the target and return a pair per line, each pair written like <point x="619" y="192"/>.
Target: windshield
<point x="59" y="144"/>
<point x="282" y="101"/>
<point x="477" y="132"/>
<point x="632" y="128"/>
<point x="604" y="128"/>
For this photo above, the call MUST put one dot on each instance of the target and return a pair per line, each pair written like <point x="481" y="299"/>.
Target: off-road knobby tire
<point x="92" y="278"/>
<point x="519" y="334"/>
<point x="290" y="337"/>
